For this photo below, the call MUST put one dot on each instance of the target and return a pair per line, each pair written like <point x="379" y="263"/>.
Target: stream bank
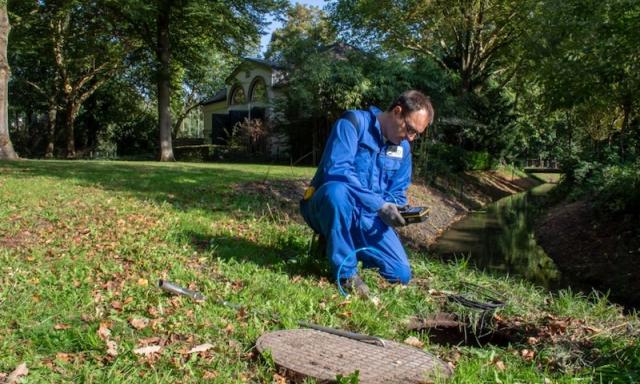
<point x="452" y="199"/>
<point x="601" y="252"/>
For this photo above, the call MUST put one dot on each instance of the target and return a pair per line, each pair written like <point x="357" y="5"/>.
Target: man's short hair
<point x="412" y="101"/>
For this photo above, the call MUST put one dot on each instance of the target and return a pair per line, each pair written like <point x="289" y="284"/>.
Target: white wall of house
<point x="244" y="76"/>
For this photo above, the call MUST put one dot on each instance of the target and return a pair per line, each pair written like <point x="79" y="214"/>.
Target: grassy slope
<point x="82" y="245"/>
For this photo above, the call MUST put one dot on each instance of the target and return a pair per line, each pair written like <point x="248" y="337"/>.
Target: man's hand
<point x="390" y="215"/>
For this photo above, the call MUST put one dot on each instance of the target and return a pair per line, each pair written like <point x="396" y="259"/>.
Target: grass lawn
<point x="83" y="244"/>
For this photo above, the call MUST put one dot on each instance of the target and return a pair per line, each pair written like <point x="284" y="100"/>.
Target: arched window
<point x="259" y="90"/>
<point x="237" y="96"/>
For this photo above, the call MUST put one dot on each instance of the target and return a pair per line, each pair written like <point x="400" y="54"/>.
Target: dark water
<point x="501" y="239"/>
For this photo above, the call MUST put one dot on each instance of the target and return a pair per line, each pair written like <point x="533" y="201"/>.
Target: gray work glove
<point x="390" y="215"/>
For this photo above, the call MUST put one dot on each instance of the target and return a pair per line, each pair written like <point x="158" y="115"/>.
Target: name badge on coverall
<point x="395" y="151"/>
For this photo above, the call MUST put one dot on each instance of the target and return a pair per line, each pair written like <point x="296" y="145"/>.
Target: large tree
<point x="469" y="38"/>
<point x="66" y="50"/>
<point x="6" y="148"/>
<point x="178" y="33"/>
<point x="581" y="73"/>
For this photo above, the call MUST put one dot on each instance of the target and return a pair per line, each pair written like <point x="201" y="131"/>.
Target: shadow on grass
<point x="285" y="257"/>
<point x="184" y="186"/>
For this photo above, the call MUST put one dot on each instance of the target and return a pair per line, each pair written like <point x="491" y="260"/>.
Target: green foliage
<point x="437" y="159"/>
<point x="353" y="378"/>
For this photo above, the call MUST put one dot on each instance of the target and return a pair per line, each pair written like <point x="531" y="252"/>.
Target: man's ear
<point x="397" y="110"/>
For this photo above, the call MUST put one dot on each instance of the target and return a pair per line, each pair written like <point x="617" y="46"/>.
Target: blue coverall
<point x="359" y="172"/>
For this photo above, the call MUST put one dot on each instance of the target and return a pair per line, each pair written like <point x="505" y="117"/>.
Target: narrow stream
<point x="501" y="239"/>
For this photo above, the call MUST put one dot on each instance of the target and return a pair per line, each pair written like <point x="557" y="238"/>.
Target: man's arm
<point x="339" y="163"/>
<point x="397" y="189"/>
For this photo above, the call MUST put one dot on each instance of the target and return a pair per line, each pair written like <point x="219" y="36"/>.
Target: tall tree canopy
<point x="66" y="50"/>
<point x="467" y="37"/>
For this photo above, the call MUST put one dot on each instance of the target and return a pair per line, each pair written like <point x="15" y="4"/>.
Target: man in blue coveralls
<point x="361" y="181"/>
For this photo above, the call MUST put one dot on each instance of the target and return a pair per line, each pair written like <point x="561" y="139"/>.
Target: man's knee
<point x="336" y="191"/>
<point x="401" y="274"/>
<point x="335" y="195"/>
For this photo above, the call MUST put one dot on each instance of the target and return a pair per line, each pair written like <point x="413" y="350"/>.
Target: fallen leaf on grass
<point x="143" y="282"/>
<point x="61" y="326"/>
<point x="149" y="340"/>
<point x="527" y="354"/>
<point x="140" y="323"/>
<point x="146" y="351"/>
<point x="201" y="348"/>
<point x="414" y="342"/>
<point x="500" y="365"/>
<point x="65" y="357"/>
<point x="21" y="370"/>
<point x="112" y="348"/>
<point x="116" y="305"/>
<point x="345" y="315"/>
<point x="104" y="332"/>
<point x="208" y="375"/>
<point x="279" y="379"/>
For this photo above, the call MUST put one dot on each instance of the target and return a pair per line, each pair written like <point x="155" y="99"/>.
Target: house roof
<point x="264" y="63"/>
<point x="268" y="63"/>
<point x="218" y="96"/>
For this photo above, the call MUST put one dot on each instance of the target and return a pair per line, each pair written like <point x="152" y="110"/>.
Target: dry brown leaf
<point x="414" y="342"/>
<point x="201" y="348"/>
<point x="128" y="300"/>
<point x="104" y="332"/>
<point x="149" y="340"/>
<point x="277" y="379"/>
<point x="151" y="349"/>
<point x="500" y="365"/>
<point x="229" y="328"/>
<point x="116" y="305"/>
<point x="209" y="375"/>
<point x="21" y="370"/>
<point x="140" y="323"/>
<point x="66" y="357"/>
<point x="527" y="354"/>
<point x="153" y="311"/>
<point x="143" y="282"/>
<point x="61" y="326"/>
<point x="345" y="314"/>
<point x="112" y="348"/>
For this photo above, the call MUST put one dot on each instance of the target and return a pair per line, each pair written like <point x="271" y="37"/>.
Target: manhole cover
<point x="320" y="355"/>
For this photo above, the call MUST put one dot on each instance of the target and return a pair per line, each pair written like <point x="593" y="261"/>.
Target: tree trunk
<point x="163" y="53"/>
<point x="71" y="112"/>
<point x="51" y="130"/>
<point x="6" y="147"/>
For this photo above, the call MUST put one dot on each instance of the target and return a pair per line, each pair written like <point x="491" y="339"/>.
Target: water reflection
<point x="501" y="238"/>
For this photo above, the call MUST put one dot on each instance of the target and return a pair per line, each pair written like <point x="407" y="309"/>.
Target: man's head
<point x="407" y="117"/>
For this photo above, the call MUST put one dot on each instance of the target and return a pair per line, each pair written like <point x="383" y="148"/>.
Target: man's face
<point x="406" y="126"/>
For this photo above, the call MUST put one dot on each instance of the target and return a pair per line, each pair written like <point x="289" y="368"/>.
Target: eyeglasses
<point x="412" y="132"/>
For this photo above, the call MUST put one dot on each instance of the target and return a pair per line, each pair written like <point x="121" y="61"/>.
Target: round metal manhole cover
<point x="322" y="356"/>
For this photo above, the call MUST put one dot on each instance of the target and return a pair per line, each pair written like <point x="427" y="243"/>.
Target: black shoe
<point x="355" y="285"/>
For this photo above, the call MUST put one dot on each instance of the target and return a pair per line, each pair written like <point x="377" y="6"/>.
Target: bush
<point x="432" y="159"/>
<point x="619" y="189"/>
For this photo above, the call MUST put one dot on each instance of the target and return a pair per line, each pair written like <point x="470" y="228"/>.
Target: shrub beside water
<point x="432" y="159"/>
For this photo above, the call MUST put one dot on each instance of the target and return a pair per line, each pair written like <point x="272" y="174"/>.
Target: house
<point x="250" y="92"/>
